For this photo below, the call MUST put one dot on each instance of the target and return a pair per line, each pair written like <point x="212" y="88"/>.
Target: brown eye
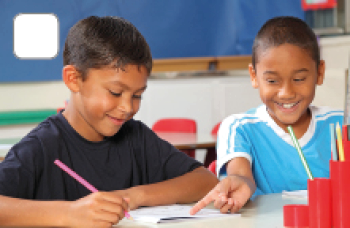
<point x="299" y="79"/>
<point x="137" y="97"/>
<point x="115" y="94"/>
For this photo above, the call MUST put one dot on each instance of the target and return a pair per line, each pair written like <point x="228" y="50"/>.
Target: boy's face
<point x="287" y="77"/>
<point x="106" y="100"/>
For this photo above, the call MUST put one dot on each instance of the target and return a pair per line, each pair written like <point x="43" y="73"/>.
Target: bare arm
<point x="20" y="212"/>
<point x="100" y="209"/>
<point x="187" y="188"/>
<point x="233" y="191"/>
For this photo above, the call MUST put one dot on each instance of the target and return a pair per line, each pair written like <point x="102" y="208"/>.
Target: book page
<point x="297" y="194"/>
<point x="171" y="213"/>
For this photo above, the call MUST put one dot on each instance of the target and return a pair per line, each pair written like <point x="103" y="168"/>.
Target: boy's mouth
<point x="288" y="106"/>
<point x="117" y="121"/>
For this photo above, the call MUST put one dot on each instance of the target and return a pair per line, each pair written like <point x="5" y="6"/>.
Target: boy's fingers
<point x="202" y="203"/>
<point x="127" y="200"/>
<point x="235" y="207"/>
<point x="225" y="208"/>
<point x="114" y="200"/>
<point x="220" y="201"/>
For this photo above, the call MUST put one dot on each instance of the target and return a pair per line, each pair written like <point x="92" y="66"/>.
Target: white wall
<point x="206" y="99"/>
<point x="335" y="51"/>
<point x="209" y="99"/>
<point x="332" y="92"/>
<point x="32" y="96"/>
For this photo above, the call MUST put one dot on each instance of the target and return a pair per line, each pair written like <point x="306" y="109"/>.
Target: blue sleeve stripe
<point x="331" y="113"/>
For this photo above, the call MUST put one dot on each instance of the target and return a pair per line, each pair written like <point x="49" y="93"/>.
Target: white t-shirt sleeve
<point x="232" y="142"/>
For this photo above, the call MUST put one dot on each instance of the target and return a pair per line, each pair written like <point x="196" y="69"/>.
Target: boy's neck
<point x="301" y="126"/>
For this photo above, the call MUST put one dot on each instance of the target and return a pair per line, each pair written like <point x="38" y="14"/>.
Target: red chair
<point x="61" y="108"/>
<point x="215" y="129"/>
<point x="212" y="167"/>
<point x="177" y="125"/>
<point x="211" y="153"/>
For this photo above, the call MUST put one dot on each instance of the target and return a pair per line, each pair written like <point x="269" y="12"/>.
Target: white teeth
<point x="288" y="105"/>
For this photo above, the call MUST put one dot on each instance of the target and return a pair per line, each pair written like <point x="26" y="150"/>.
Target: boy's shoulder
<point x="325" y="111"/>
<point x="257" y="114"/>
<point x="47" y="128"/>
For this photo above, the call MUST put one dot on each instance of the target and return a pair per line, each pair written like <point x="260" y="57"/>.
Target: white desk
<point x="264" y="212"/>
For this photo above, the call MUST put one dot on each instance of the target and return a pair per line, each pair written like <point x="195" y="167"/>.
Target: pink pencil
<point x="81" y="180"/>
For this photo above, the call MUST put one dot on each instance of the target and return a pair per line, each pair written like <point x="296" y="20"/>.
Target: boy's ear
<point x="71" y="77"/>
<point x="252" y="74"/>
<point x="320" y="72"/>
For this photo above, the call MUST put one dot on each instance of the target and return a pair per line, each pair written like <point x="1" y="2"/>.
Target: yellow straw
<point x="340" y="143"/>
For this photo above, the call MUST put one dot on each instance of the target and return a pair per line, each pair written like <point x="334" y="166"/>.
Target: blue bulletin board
<point x="173" y="29"/>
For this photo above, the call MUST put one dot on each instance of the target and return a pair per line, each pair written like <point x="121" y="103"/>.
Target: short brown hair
<point x="285" y="30"/>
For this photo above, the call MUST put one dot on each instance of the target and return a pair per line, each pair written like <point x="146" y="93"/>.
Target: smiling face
<point x="287" y="76"/>
<point x="105" y="100"/>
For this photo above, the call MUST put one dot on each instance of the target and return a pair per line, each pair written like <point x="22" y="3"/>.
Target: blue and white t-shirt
<point x="275" y="162"/>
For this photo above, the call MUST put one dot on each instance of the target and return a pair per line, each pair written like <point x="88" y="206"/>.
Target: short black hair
<point x="97" y="42"/>
<point x="285" y="30"/>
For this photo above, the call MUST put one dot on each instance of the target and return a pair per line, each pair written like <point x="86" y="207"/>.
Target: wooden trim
<point x="202" y="63"/>
<point x="233" y="62"/>
<point x="183" y="64"/>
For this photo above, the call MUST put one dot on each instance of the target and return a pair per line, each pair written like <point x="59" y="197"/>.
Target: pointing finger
<point x="203" y="202"/>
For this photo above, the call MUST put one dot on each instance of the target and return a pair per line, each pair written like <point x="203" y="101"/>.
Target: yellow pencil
<point x="340" y="143"/>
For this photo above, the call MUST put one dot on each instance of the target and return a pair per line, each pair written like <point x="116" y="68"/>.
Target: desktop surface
<point x="264" y="212"/>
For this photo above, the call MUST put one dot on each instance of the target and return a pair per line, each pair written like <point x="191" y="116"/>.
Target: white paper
<point x="298" y="194"/>
<point x="173" y="213"/>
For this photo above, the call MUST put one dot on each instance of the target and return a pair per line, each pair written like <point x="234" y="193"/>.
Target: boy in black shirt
<point x="106" y="66"/>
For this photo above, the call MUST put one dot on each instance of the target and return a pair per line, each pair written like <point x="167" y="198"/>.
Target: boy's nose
<point x="126" y="105"/>
<point x="286" y="91"/>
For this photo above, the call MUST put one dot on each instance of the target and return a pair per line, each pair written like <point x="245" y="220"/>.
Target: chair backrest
<point x="212" y="167"/>
<point x="215" y="129"/>
<point x="61" y="108"/>
<point x="175" y="125"/>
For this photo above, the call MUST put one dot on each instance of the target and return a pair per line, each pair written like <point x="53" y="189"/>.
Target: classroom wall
<point x="52" y="94"/>
<point x="336" y="51"/>
<point x="213" y="98"/>
<point x="32" y="96"/>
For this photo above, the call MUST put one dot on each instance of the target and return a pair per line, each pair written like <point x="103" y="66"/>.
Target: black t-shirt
<point x="134" y="156"/>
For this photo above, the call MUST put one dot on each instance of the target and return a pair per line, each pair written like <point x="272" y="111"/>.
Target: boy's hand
<point x="229" y="195"/>
<point x="100" y="209"/>
<point x="133" y="195"/>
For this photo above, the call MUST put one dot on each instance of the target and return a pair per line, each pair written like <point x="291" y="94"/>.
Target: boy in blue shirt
<point x="106" y="66"/>
<point x="255" y="153"/>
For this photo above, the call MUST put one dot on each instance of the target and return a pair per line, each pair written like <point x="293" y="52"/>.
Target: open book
<point x="173" y="213"/>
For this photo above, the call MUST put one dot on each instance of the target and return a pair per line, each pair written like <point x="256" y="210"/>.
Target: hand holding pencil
<point x="99" y="208"/>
